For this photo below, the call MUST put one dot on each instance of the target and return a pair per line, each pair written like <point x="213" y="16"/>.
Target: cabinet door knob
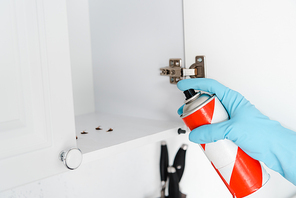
<point x="71" y="158"/>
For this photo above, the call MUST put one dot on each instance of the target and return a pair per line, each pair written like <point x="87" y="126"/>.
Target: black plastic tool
<point x="179" y="161"/>
<point x="174" y="191"/>
<point x="164" y="163"/>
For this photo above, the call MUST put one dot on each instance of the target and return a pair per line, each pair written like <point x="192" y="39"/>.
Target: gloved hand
<point x="261" y="138"/>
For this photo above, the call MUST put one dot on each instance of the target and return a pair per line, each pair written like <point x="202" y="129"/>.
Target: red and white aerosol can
<point x="241" y="174"/>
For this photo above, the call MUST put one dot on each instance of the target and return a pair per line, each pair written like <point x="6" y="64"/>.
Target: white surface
<point x="36" y="117"/>
<point x="226" y="154"/>
<point x="131" y="41"/>
<point x="250" y="47"/>
<point x="131" y="173"/>
<point x="80" y="53"/>
<point x="128" y="132"/>
<point x="220" y="114"/>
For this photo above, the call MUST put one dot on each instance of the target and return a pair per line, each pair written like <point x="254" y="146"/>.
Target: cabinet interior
<point x="116" y="61"/>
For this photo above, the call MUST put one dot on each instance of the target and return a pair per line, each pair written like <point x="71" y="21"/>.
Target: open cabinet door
<point x="250" y="47"/>
<point x="36" y="107"/>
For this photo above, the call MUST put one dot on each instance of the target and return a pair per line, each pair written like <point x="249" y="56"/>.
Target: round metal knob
<point x="71" y="158"/>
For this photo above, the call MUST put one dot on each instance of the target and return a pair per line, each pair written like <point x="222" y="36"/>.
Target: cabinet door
<point x="250" y="46"/>
<point x="36" y="107"/>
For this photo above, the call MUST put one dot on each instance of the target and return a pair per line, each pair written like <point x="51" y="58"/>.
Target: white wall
<point x="81" y="57"/>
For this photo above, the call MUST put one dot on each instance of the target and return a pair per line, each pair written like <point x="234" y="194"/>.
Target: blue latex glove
<point x="261" y="138"/>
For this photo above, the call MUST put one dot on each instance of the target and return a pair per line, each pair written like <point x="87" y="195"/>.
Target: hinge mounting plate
<point x="176" y="72"/>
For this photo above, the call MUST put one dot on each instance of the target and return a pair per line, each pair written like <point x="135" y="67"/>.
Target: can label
<point x="241" y="174"/>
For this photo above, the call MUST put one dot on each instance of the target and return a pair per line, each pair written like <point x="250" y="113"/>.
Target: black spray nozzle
<point x="189" y="93"/>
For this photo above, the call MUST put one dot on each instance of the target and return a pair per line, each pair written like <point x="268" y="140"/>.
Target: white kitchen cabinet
<point x="36" y="116"/>
<point x="116" y="50"/>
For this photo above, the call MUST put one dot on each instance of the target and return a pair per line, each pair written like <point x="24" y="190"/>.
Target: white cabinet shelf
<point x="128" y="133"/>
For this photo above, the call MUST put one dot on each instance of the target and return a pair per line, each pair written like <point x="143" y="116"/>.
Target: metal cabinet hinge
<point x="176" y="72"/>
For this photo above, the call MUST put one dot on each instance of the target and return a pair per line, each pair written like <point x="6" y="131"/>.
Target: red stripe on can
<point x="246" y="176"/>
<point x="203" y="146"/>
<point x="201" y="116"/>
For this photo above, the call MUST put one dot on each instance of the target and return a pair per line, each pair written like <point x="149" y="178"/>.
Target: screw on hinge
<point x="198" y="59"/>
<point x="199" y="67"/>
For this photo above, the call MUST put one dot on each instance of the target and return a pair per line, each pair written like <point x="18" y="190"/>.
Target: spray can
<point x="241" y="174"/>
